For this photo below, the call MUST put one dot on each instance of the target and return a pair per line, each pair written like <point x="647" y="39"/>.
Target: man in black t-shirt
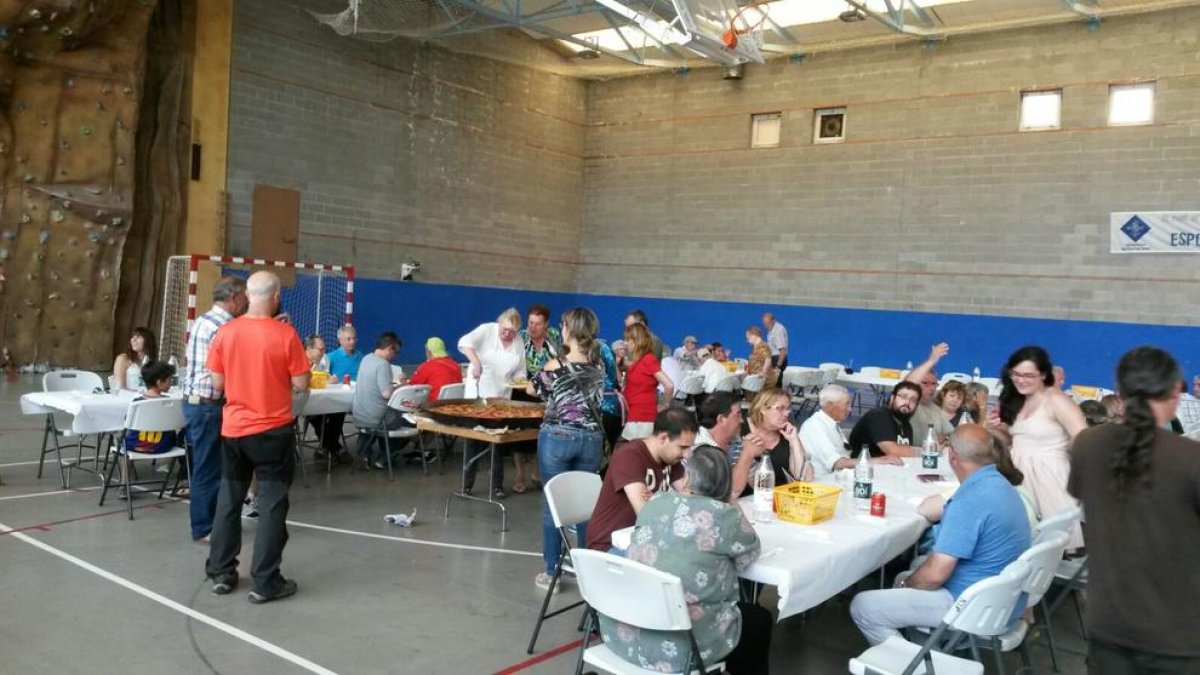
<point x="888" y="431"/>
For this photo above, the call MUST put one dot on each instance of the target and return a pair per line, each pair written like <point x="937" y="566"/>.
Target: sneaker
<point x="250" y="508"/>
<point x="430" y="456"/>
<point x="122" y="493"/>
<point x="287" y="589"/>
<point x="499" y="493"/>
<point x="224" y="584"/>
<point x="542" y="581"/>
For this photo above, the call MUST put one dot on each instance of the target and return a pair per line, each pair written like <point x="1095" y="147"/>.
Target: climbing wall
<point x="70" y="72"/>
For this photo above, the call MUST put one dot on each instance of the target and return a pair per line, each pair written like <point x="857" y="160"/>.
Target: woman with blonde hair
<point x="772" y="432"/>
<point x="642" y="380"/>
<point x="497" y="356"/>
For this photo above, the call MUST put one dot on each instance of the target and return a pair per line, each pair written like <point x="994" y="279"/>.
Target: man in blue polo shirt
<point x="345" y="360"/>
<point x="983" y="529"/>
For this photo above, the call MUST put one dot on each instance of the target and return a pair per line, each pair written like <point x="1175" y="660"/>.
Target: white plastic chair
<point x="1188" y="414"/>
<point x="1062" y="522"/>
<point x="729" y="384"/>
<point x="955" y="377"/>
<point x="406" y="399"/>
<point x="805" y="389"/>
<point x="830" y="365"/>
<point x="1043" y="559"/>
<point x="753" y="384"/>
<point x="152" y="415"/>
<point x="633" y="594"/>
<point x="571" y="497"/>
<point x="451" y="391"/>
<point x="84" y="381"/>
<point x="983" y="610"/>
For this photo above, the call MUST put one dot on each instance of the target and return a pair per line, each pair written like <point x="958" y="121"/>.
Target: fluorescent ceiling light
<point x="781" y="12"/>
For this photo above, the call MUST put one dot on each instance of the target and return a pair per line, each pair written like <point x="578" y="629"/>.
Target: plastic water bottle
<point x="174" y="363"/>
<point x="864" y="476"/>
<point x="930" y="450"/>
<point x="965" y="418"/>
<point x="908" y="366"/>
<point x="764" y="490"/>
<point x="975" y="374"/>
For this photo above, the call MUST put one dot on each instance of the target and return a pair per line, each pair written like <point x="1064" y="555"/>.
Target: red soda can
<point x="878" y="504"/>
<point x="346" y="379"/>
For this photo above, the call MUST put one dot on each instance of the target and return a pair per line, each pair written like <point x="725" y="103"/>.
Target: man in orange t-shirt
<point x="258" y="362"/>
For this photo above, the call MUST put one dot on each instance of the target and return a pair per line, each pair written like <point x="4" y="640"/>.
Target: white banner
<point x="1155" y="232"/>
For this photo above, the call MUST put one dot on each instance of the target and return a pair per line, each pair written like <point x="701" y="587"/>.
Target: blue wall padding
<point x="1087" y="349"/>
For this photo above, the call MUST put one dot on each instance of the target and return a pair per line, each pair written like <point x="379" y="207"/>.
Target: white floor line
<point x="37" y="494"/>
<point x="171" y="604"/>
<point x="24" y="463"/>
<point x="406" y="540"/>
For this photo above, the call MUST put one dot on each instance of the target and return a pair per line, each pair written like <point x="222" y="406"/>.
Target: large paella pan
<point x="493" y="413"/>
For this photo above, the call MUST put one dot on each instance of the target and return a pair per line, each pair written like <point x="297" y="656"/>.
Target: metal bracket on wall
<point x="1088" y="8"/>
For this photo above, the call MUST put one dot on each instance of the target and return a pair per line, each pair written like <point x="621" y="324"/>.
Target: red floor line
<point x="45" y="527"/>
<point x="544" y="656"/>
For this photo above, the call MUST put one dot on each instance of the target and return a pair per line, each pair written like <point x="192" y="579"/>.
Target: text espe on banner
<point x="1155" y="232"/>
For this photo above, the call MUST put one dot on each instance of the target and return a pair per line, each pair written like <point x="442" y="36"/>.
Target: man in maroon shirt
<point x="637" y="470"/>
<point x="438" y="370"/>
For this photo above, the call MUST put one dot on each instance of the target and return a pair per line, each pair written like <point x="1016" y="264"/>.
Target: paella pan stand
<point x="461" y="426"/>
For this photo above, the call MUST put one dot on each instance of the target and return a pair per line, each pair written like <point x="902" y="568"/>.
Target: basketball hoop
<point x="748" y="19"/>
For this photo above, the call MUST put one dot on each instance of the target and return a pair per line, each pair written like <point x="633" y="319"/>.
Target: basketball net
<point x="748" y="19"/>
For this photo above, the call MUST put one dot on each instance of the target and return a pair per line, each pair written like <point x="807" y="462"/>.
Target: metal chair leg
<point x="1050" y="635"/>
<point x="128" y="483"/>
<point x="537" y="627"/>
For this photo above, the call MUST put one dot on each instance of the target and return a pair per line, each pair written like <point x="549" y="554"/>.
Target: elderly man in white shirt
<point x="822" y="438"/>
<point x="712" y="370"/>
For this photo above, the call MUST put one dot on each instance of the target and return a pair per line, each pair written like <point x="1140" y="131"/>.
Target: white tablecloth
<point x="808" y="564"/>
<point x="334" y="398"/>
<point x="874" y="381"/>
<point x="93" y="413"/>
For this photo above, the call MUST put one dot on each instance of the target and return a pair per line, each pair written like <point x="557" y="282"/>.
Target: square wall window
<point x="764" y="130"/>
<point x="1041" y="110"/>
<point x="1131" y="104"/>
<point x="829" y="125"/>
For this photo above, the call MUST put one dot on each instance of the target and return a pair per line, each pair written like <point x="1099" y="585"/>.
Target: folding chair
<point x="753" y="384"/>
<point x="634" y="594"/>
<point x="729" y="383"/>
<point x="153" y="415"/>
<point x="66" y="380"/>
<point x="984" y="610"/>
<point x="1043" y="559"/>
<point x="299" y="400"/>
<point x="805" y="389"/>
<point x="406" y="399"/>
<point x="1188" y="414"/>
<point x="691" y="387"/>
<point x="955" y="377"/>
<point x="572" y="497"/>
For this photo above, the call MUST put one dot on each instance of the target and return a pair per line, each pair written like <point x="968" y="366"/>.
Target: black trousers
<point x="270" y="455"/>
<point x="780" y="365"/>
<point x="1104" y="658"/>
<point x="329" y="430"/>
<point x="752" y="655"/>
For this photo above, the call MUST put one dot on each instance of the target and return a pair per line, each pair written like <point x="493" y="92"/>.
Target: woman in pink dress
<point x="1042" y="421"/>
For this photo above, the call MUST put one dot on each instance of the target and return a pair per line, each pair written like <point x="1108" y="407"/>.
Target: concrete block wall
<point x="401" y="150"/>
<point x="935" y="202"/>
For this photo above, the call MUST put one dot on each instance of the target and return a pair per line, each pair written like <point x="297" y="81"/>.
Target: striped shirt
<point x="197" y="380"/>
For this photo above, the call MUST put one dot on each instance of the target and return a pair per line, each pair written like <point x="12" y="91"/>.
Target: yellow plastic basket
<point x="806" y="503"/>
<point x="319" y="379"/>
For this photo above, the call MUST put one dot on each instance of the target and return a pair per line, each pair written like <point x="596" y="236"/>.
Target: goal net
<point x="318" y="297"/>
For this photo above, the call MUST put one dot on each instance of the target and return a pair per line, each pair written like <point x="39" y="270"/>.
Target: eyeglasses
<point x="1023" y="376"/>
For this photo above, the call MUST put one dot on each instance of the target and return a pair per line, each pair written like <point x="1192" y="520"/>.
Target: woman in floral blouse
<point x="700" y="537"/>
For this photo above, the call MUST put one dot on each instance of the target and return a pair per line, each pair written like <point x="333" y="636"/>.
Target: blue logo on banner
<point x="1135" y="228"/>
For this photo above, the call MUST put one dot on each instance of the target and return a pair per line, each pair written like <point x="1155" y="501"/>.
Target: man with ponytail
<point x="1140" y="489"/>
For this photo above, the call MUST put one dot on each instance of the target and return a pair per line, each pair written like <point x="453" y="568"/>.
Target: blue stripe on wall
<point x="1088" y="350"/>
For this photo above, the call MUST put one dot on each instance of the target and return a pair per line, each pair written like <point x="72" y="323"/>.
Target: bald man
<point x="777" y="339"/>
<point x="258" y="362"/>
<point x="984" y="528"/>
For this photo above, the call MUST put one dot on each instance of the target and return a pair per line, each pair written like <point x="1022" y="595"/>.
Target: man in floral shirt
<point x="542" y="343"/>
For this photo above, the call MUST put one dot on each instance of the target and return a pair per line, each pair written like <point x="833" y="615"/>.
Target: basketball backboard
<point x="705" y="22"/>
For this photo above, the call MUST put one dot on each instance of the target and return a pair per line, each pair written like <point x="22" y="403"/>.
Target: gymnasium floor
<point x="86" y="590"/>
